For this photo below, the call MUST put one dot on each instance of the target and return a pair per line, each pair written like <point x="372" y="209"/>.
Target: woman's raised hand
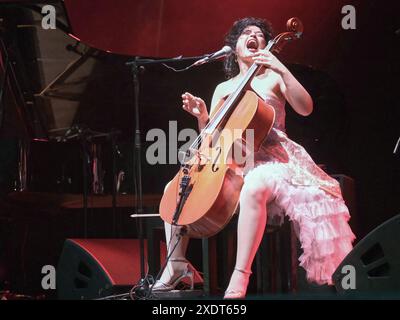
<point x="268" y="60"/>
<point x="195" y="106"/>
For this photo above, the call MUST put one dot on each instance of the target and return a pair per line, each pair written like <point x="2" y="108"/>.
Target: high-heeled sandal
<point x="238" y="293"/>
<point x="188" y="273"/>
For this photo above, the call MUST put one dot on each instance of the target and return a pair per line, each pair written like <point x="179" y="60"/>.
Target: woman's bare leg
<point x="251" y="226"/>
<point x="177" y="263"/>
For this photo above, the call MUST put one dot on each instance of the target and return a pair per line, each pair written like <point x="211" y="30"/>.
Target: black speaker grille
<point x="372" y="254"/>
<point x="84" y="269"/>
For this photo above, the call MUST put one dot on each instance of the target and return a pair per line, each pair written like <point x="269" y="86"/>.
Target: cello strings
<point x="215" y="121"/>
<point x="222" y="112"/>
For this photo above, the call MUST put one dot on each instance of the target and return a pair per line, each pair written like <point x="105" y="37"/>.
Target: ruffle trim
<point x="325" y="236"/>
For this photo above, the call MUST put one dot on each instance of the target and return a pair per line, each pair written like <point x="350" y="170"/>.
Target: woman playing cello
<point x="284" y="179"/>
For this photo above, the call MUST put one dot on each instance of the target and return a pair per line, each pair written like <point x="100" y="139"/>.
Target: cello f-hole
<point x="215" y="167"/>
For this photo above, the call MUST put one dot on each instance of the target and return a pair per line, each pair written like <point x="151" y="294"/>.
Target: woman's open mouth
<point x="252" y="45"/>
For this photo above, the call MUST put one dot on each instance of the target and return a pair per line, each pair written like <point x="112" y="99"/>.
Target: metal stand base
<point x="178" y="294"/>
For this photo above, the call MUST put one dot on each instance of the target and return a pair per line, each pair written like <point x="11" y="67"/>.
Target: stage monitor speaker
<point x="376" y="262"/>
<point x="95" y="268"/>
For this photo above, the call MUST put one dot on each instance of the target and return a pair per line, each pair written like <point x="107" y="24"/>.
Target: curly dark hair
<point x="231" y="67"/>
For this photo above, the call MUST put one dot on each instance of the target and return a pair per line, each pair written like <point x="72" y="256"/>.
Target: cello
<point x="204" y="194"/>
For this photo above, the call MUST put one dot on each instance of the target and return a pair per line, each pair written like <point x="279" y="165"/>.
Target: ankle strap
<point x="243" y="271"/>
<point x="178" y="260"/>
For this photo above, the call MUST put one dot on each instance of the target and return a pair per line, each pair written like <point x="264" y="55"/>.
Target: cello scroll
<point x="295" y="30"/>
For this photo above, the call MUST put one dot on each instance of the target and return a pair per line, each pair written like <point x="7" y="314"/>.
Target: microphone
<point x="226" y="50"/>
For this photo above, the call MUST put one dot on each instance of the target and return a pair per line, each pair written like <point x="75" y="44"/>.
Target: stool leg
<point x="293" y="260"/>
<point x="274" y="262"/>
<point x="263" y="264"/>
<point x="228" y="251"/>
<point x="209" y="265"/>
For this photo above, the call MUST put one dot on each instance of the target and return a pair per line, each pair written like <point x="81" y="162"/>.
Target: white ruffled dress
<point x="308" y="196"/>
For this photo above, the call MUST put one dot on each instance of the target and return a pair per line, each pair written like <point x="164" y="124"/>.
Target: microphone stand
<point x="137" y="163"/>
<point x="136" y="66"/>
<point x="142" y="62"/>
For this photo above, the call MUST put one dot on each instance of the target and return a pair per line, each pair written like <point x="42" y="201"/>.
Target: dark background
<point x="352" y="76"/>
